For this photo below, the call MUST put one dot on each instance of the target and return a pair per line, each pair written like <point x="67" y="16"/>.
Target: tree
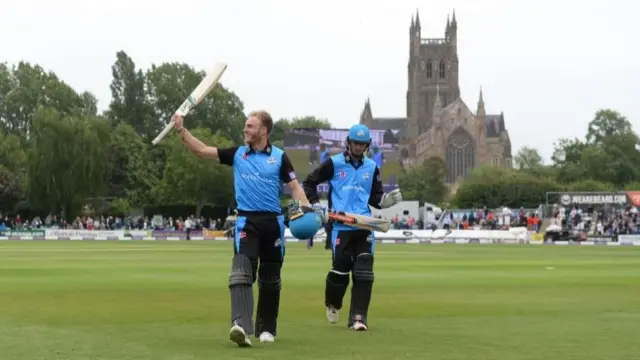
<point x="169" y="84"/>
<point x="424" y="183"/>
<point x="527" y="158"/>
<point x="25" y="88"/>
<point x="188" y="179"/>
<point x="495" y="187"/>
<point x="129" y="102"/>
<point x="607" y="123"/>
<point x="13" y="161"/>
<point x="608" y="155"/>
<point x="10" y="191"/>
<point x="132" y="172"/>
<point x="304" y="122"/>
<point x="68" y="161"/>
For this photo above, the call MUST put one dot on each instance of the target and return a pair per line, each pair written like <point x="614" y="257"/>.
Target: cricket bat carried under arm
<point x="360" y="221"/>
<point x="197" y="95"/>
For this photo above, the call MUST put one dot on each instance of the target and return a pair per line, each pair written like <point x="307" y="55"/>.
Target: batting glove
<point x="391" y="198"/>
<point x="321" y="211"/>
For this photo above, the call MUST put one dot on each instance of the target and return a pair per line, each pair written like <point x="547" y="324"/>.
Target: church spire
<point x="417" y="18"/>
<point x="366" y="117"/>
<point x="481" y="111"/>
<point x="437" y="104"/>
<point x="446" y="29"/>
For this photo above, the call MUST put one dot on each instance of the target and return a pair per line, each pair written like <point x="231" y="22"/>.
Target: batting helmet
<point x="359" y="133"/>
<point x="306" y="226"/>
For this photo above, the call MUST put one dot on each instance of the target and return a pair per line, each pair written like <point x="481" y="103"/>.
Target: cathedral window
<point x="460" y="155"/>
<point x="429" y="69"/>
<point x="442" y="69"/>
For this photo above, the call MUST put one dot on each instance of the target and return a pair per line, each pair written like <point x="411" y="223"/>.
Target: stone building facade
<point x="438" y="122"/>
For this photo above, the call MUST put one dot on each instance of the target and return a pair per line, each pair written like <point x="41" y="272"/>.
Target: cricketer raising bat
<point x="360" y="221"/>
<point x="203" y="89"/>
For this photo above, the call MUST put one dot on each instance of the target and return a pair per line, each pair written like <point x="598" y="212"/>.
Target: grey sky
<point x="549" y="65"/>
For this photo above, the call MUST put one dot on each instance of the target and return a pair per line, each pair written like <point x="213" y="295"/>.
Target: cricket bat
<point x="360" y="221"/>
<point x="197" y="95"/>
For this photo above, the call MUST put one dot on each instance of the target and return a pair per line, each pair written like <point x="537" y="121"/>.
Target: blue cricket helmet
<point x="306" y="226"/>
<point x="359" y="133"/>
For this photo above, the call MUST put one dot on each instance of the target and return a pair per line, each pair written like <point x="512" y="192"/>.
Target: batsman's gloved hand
<point x="391" y="198"/>
<point x="321" y="211"/>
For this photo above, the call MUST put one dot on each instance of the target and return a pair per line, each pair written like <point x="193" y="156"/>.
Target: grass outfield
<point x="169" y="301"/>
<point x="300" y="161"/>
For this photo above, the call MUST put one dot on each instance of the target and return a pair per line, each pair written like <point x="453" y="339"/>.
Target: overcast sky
<point x="548" y="64"/>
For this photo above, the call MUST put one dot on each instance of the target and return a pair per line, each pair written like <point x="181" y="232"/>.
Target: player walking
<point x="259" y="169"/>
<point x="354" y="185"/>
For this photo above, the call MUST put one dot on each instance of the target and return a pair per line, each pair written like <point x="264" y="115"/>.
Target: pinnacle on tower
<point x="417" y="19"/>
<point x="438" y="102"/>
<point x="446" y="29"/>
<point x="481" y="110"/>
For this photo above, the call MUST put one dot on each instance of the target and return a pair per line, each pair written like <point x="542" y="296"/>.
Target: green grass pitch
<point x="155" y="300"/>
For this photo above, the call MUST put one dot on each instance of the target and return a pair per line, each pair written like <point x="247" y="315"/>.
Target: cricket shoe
<point x="333" y="314"/>
<point x="239" y="336"/>
<point x="358" y="326"/>
<point x="267" y="337"/>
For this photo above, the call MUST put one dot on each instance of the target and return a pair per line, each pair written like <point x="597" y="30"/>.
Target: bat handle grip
<point x="164" y="133"/>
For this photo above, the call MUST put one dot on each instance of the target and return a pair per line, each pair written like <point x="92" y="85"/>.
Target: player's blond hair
<point x="265" y="119"/>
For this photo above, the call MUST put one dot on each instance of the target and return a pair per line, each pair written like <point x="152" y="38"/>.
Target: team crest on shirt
<point x="343" y="174"/>
<point x="365" y="176"/>
<point x="272" y="160"/>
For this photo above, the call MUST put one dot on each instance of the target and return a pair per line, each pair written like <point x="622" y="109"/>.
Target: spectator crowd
<point x="110" y="223"/>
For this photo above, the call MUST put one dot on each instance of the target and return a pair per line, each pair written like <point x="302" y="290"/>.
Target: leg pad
<point x="269" y="286"/>
<point x="240" y="288"/>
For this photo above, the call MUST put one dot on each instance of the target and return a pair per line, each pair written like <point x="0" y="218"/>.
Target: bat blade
<point x="360" y="221"/>
<point x="197" y="95"/>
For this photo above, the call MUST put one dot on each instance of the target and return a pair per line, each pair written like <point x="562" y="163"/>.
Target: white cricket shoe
<point x="333" y="314"/>
<point x="358" y="326"/>
<point x="267" y="337"/>
<point x="239" y="336"/>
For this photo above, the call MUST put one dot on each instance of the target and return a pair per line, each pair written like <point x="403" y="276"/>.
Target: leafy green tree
<point x="191" y="180"/>
<point x="608" y="154"/>
<point x="132" y="172"/>
<point x="494" y="187"/>
<point x="10" y="190"/>
<point x="169" y="84"/>
<point x="129" y="102"/>
<point x="527" y="158"/>
<point x="68" y="161"/>
<point x="424" y="183"/>
<point x="24" y="88"/>
<point x="304" y="122"/>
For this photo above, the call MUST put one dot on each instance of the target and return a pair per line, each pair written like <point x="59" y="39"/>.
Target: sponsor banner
<point x="594" y="198"/>
<point x="212" y="234"/>
<point x="634" y="197"/>
<point x="17" y="234"/>
<point x="387" y="241"/>
<point x="175" y="234"/>
<point x="601" y="238"/>
<point x="628" y="239"/>
<point x="515" y="234"/>
<point x="84" y="234"/>
<point x="137" y="234"/>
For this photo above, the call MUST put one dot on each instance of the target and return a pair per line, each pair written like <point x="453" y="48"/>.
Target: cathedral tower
<point x="433" y="69"/>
